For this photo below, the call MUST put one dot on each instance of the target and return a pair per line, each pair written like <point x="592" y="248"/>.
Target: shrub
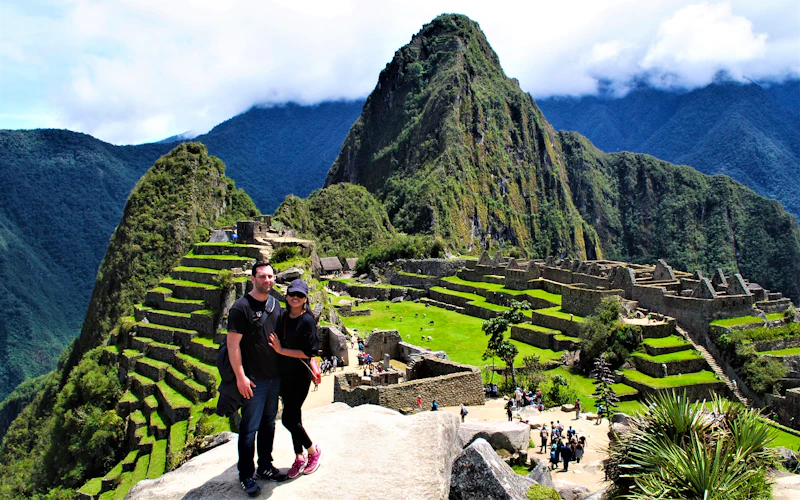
<point x="558" y="392"/>
<point x="604" y="333"/>
<point x="762" y="374"/>
<point x="400" y="246"/>
<point x="539" y="492"/>
<point x="285" y="253"/>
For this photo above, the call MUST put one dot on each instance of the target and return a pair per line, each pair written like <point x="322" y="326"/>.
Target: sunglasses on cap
<point x="298" y="295"/>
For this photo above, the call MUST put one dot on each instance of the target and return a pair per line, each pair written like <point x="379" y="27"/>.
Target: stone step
<point x="197" y="274"/>
<point x="202" y="321"/>
<point x="157" y="428"/>
<point x="209" y="294"/>
<point x="182" y="305"/>
<point x="658" y="346"/>
<point x="204" y="373"/>
<point x="128" y="404"/>
<point x="174" y="406"/>
<point x="204" y="349"/>
<point x="217" y="261"/>
<point x="165" y="334"/>
<point x="151" y="368"/>
<point x="186" y="386"/>
<point x="256" y="252"/>
<point x="140" y="385"/>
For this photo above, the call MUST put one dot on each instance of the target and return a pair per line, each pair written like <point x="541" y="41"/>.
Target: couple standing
<point x="269" y="349"/>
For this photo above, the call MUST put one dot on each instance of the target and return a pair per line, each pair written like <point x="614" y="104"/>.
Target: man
<point x="578" y="409"/>
<point x="544" y="434"/>
<point x="250" y="322"/>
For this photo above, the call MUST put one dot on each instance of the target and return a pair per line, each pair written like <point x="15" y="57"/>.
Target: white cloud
<point x="130" y="71"/>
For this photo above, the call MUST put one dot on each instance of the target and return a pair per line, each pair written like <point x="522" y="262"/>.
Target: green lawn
<point x="494" y="287"/>
<point x="584" y="387"/>
<point x="670" y="341"/>
<point x="793" y="351"/>
<point x="474" y="298"/>
<point x="673" y="356"/>
<point x="701" y="377"/>
<point x="746" y="320"/>
<point x="457" y="334"/>
<point x="559" y="313"/>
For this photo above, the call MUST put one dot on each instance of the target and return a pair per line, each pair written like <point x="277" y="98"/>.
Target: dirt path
<point x="588" y="473"/>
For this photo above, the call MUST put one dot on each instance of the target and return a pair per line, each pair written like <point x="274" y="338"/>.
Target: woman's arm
<point x="275" y="343"/>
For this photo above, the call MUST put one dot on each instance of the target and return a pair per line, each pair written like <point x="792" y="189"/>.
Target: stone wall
<point x="589" y="280"/>
<point x="557" y="274"/>
<point x="695" y="392"/>
<point x="543" y="340"/>
<point x="787" y="407"/>
<point x="570" y="328"/>
<point x="332" y="342"/>
<point x="582" y="301"/>
<point x="346" y="310"/>
<point x="658" y="329"/>
<point x="775" y="345"/>
<point x="383" y="342"/>
<point x="408" y="280"/>
<point x="433" y="267"/>
<point x="480" y="312"/>
<point x="428" y="367"/>
<point x="655" y="369"/>
<point x="457" y="384"/>
<point x="374" y="292"/>
<point x="410" y="352"/>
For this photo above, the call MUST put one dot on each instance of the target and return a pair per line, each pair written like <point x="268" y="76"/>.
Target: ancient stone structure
<point x="448" y="383"/>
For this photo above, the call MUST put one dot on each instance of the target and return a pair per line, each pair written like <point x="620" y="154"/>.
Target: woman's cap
<point x="298" y="285"/>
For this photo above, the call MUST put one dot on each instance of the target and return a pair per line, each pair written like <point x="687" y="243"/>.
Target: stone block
<point x="513" y="437"/>
<point x="478" y="473"/>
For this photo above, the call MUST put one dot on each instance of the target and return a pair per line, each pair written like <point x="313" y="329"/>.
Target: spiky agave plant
<point x="678" y="449"/>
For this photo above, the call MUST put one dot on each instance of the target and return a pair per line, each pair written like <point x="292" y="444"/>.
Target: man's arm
<point x="244" y="384"/>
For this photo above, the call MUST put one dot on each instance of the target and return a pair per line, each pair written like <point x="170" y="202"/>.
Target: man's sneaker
<point x="271" y="474"/>
<point x="250" y="486"/>
<point x="313" y="461"/>
<point x="298" y="467"/>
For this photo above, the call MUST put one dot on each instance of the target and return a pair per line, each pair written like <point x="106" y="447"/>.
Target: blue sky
<point x="135" y="71"/>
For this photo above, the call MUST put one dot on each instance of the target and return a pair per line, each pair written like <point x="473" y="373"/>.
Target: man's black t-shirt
<point x="298" y="333"/>
<point x="259" y="360"/>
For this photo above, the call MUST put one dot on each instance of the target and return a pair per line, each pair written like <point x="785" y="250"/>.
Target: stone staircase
<point x="167" y="364"/>
<point x="733" y="388"/>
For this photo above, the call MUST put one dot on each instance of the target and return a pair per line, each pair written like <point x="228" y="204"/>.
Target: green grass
<point x="130" y="479"/>
<point x="537" y="328"/>
<point x="128" y="397"/>
<point x="793" y="351"/>
<point x="171" y="313"/>
<point x="474" y="299"/>
<point x="189" y="284"/>
<point x="746" y="320"/>
<point x="208" y="342"/>
<point x="457" y="334"/>
<point x="783" y="438"/>
<point x="158" y="460"/>
<point x="670" y="357"/>
<point x="193" y="255"/>
<point x="559" y="313"/>
<point x="130" y="457"/>
<point x="166" y="328"/>
<point x="184" y="301"/>
<point x="161" y="289"/>
<point x="112" y="349"/>
<point x="415" y="275"/>
<point x="670" y="341"/>
<point x="151" y="402"/>
<point x="190" y="269"/>
<point x="138" y="417"/>
<point x="494" y="287"/>
<point x="623" y="390"/>
<point x="173" y="397"/>
<point x="157" y="422"/>
<point x="585" y="386"/>
<point x="701" y="377"/>
<point x="92" y="486"/>
<point x="199" y="365"/>
<point x="177" y="441"/>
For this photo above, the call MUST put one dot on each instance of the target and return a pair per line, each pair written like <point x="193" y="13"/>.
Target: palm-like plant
<point x="679" y="449"/>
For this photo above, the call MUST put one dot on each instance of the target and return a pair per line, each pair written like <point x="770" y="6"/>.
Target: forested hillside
<point x="70" y="431"/>
<point x="748" y="132"/>
<point x="62" y="194"/>
<point x="453" y="148"/>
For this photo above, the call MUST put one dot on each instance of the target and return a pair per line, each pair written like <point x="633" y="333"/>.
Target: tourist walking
<point x="555" y="454"/>
<point x="566" y="456"/>
<point x="578" y="409"/>
<point x="544" y="434"/>
<point x="509" y="408"/>
<point x="297" y="342"/>
<point x="463" y="412"/>
<point x="579" y="451"/>
<point x="251" y="320"/>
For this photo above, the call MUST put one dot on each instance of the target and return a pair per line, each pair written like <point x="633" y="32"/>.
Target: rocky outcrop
<point x="541" y="474"/>
<point x="366" y="449"/>
<point x="571" y="491"/>
<point x="511" y="436"/>
<point x="479" y="473"/>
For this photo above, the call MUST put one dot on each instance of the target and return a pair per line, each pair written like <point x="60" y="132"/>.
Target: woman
<point x="297" y="342"/>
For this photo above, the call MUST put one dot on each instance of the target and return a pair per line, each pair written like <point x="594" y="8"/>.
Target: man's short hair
<point x="259" y="265"/>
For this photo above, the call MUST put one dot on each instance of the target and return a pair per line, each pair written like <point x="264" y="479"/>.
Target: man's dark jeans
<point x="258" y="414"/>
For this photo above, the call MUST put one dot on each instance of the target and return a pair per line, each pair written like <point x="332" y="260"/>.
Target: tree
<point x="496" y="327"/>
<point x="603" y="333"/>
<point x="533" y="371"/>
<point x="686" y="450"/>
<point x="605" y="396"/>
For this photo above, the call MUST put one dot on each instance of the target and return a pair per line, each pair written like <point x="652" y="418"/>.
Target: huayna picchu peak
<point x="454" y="148"/>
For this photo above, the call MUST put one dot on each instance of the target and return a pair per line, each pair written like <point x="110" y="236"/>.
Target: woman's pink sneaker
<point x="313" y="461"/>
<point x="297" y="468"/>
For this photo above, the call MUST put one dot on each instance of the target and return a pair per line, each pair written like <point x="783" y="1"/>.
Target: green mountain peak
<point x="454" y="148"/>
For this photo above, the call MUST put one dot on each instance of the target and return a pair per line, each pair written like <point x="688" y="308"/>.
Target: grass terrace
<point x="559" y="313"/>
<point x="493" y="287"/>
<point x="793" y="351"/>
<point x="193" y="255"/>
<point x="745" y="320"/>
<point x="457" y="334"/>
<point x="673" y="356"/>
<point x="474" y="299"/>
<point x="670" y="341"/>
<point x="701" y="377"/>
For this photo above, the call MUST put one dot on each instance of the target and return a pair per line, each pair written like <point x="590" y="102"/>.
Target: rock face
<point x="571" y="491"/>
<point x="367" y="449"/>
<point x="479" y="473"/>
<point x="511" y="436"/>
<point x="541" y="474"/>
